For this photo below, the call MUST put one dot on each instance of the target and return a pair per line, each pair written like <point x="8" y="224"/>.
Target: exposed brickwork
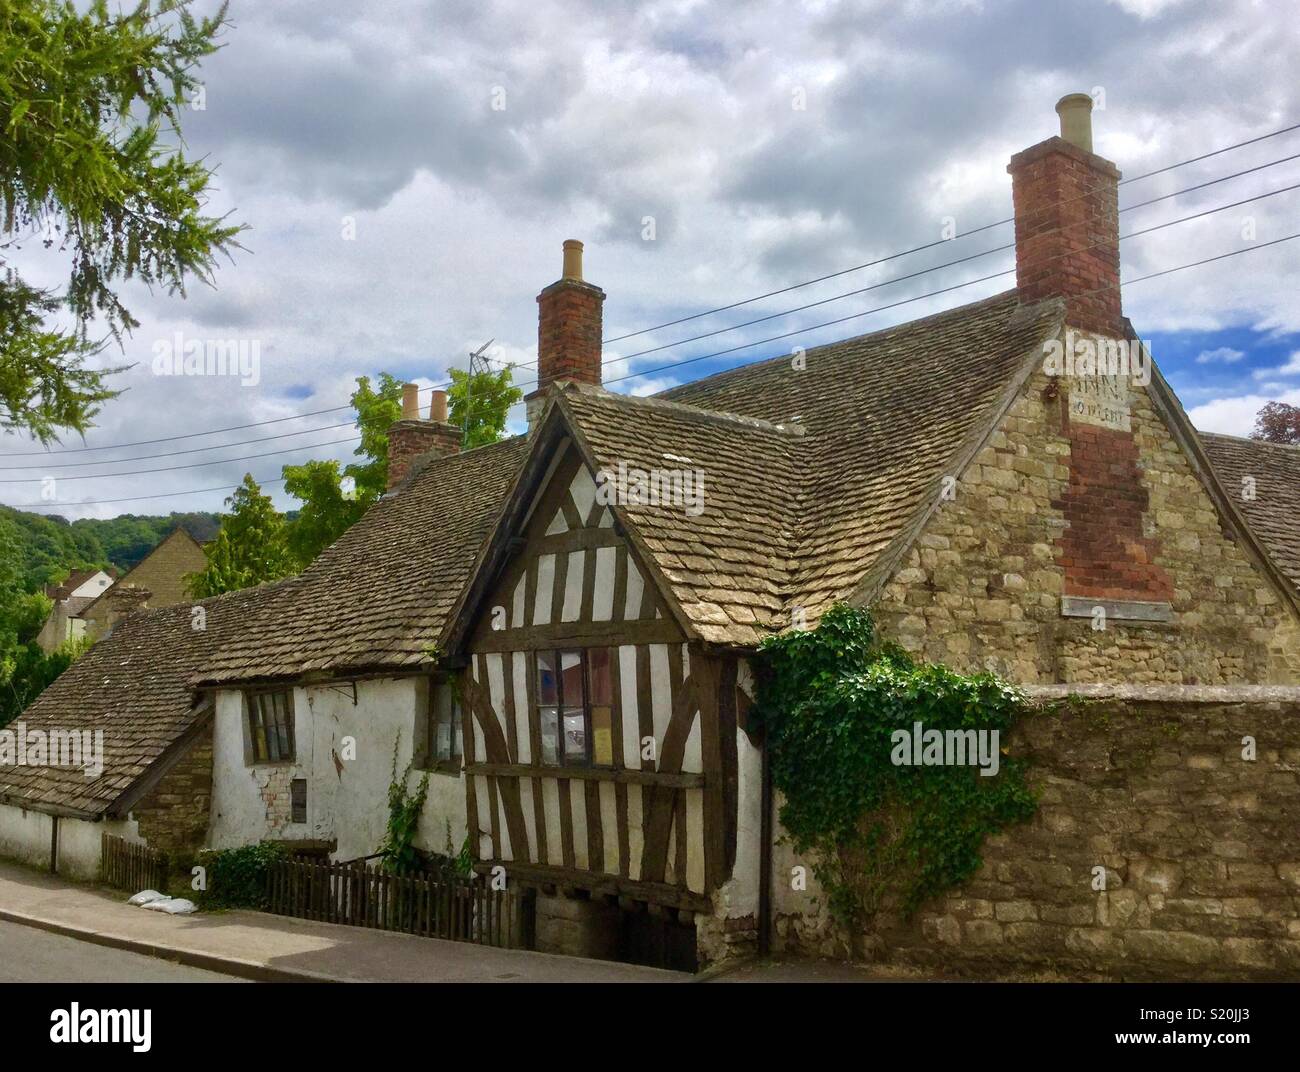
<point x="1067" y="232"/>
<point x="1200" y="846"/>
<point x="174" y="815"/>
<point x="981" y="589"/>
<point x="1104" y="552"/>
<point x="569" y="332"/>
<point x="411" y="439"/>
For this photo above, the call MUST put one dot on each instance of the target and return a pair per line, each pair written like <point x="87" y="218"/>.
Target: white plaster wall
<point x="25" y="836"/>
<point x="738" y="896"/>
<point x="347" y="782"/>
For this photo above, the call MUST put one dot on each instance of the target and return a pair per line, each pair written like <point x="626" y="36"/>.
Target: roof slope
<point x="886" y="416"/>
<point x="725" y="546"/>
<point x="1274" y="512"/>
<point x="380" y="595"/>
<point x="132" y="685"/>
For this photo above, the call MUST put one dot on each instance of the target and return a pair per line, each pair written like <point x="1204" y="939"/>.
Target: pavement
<point x="257" y="945"/>
<point x="31" y="955"/>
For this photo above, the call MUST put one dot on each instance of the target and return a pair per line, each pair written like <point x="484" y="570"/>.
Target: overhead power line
<point x="937" y="243"/>
<point x="634" y="375"/>
<point x="695" y="316"/>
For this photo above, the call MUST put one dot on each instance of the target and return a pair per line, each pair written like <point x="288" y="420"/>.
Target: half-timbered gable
<point x="591" y="723"/>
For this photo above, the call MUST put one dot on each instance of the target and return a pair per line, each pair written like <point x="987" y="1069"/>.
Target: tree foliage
<point x="1277" y="423"/>
<point x="92" y="167"/>
<point x="25" y="670"/>
<point x="333" y="497"/>
<point x="484" y="399"/>
<point x="250" y="549"/>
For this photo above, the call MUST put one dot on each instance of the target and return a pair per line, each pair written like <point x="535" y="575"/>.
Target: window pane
<point x="602" y="689"/>
<point x="442" y="741"/>
<point x="457" y="728"/>
<point x="575" y="735"/>
<point x="602" y="740"/>
<point x="550" y="719"/>
<point x="571" y="671"/>
<point x="441" y="730"/>
<point x="547" y="682"/>
<point x="259" y="729"/>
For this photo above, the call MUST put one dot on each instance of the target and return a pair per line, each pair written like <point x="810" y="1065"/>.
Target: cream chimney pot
<point x="410" y="402"/>
<point x="572" y="259"/>
<point x="438" y="406"/>
<point x="1075" y="110"/>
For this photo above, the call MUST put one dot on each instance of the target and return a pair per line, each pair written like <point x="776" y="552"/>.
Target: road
<point x="31" y="955"/>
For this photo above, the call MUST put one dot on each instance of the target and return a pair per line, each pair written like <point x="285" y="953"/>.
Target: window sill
<point x="449" y="769"/>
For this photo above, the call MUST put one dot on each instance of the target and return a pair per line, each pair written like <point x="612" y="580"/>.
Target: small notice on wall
<point x="1101" y="400"/>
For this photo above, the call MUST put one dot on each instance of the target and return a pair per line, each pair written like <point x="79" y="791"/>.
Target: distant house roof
<point x="78" y="577"/>
<point x="134" y="686"/>
<point x="1264" y="478"/>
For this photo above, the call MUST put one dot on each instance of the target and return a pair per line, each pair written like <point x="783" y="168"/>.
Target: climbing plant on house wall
<point x="863" y="743"/>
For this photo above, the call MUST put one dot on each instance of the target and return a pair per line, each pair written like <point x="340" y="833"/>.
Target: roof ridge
<point x="1251" y="440"/>
<point x="905" y="325"/>
<point x="685" y="409"/>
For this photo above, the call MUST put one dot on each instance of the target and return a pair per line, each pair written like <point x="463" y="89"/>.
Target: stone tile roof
<point x="380" y="596"/>
<point x="133" y="685"/>
<point x="886" y="414"/>
<point x="726" y="553"/>
<point x="794" y="517"/>
<point x="1274" y="512"/>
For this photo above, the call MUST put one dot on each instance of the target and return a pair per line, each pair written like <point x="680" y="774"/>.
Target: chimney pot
<point x="438" y="406"/>
<point x="1075" y="110"/>
<point x="572" y="259"/>
<point x="410" y="402"/>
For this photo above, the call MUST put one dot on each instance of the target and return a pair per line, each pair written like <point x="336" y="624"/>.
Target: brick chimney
<point x="568" y="331"/>
<point x="411" y="438"/>
<point x="1067" y="223"/>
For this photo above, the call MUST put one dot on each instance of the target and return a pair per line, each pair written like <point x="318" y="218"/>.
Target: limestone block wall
<point x="982" y="587"/>
<point x="1196" y="848"/>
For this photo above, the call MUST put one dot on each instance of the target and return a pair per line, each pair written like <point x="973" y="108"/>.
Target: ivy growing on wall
<point x="881" y="835"/>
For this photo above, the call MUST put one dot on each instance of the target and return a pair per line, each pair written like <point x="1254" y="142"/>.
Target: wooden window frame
<point x="588" y="761"/>
<point x="454" y="763"/>
<point x="255" y="718"/>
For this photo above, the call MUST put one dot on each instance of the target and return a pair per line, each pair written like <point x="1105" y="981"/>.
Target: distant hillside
<point x="50" y="545"/>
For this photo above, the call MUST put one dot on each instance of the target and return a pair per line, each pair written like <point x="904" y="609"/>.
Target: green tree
<point x="25" y="670"/>
<point x="334" y="498"/>
<point x="250" y="548"/>
<point x="486" y="398"/>
<point x="92" y="166"/>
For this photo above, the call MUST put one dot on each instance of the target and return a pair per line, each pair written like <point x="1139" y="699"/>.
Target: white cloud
<point x="1236" y="416"/>
<point x="1222" y="355"/>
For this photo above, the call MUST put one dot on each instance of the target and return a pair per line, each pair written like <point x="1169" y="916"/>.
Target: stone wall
<point x="982" y="587"/>
<point x="173" y="816"/>
<point x="1200" y="849"/>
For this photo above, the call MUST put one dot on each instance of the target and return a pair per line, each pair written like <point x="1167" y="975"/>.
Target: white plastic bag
<point x="175" y="906"/>
<point x="144" y="897"/>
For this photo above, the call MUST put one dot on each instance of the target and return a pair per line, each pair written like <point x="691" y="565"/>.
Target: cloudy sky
<point x="407" y="170"/>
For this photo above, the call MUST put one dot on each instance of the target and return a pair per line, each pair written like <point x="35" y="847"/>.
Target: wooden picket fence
<point x="130" y="866"/>
<point x="439" y="904"/>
